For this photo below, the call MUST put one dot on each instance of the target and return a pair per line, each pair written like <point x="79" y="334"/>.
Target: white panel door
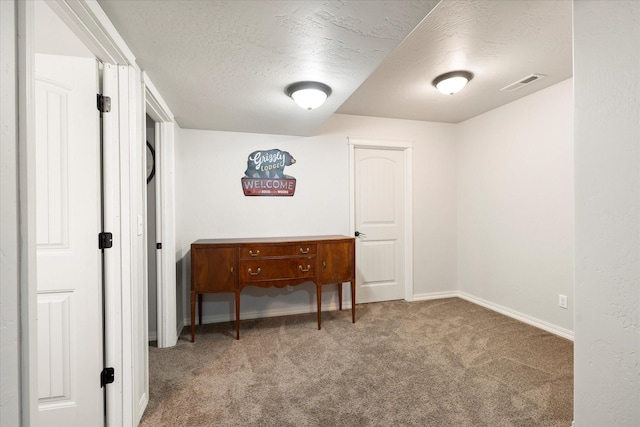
<point x="69" y="262"/>
<point x="379" y="219"/>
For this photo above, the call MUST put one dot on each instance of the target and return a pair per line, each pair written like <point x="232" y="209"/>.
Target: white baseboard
<point x="256" y="314"/>
<point x="259" y="314"/>
<point x="541" y="324"/>
<point x="434" y="295"/>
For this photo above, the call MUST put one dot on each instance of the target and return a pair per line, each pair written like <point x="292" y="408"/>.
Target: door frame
<point x="407" y="148"/>
<point x="158" y="110"/>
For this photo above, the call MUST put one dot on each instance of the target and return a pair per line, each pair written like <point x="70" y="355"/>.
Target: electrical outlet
<point x="289" y="288"/>
<point x="563" y="301"/>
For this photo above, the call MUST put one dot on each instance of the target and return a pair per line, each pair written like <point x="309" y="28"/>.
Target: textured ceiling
<point x="500" y="42"/>
<point x="224" y="65"/>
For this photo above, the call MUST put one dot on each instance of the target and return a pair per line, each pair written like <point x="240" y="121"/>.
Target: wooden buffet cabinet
<point x="229" y="265"/>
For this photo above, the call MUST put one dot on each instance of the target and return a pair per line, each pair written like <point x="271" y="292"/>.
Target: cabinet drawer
<point x="285" y="268"/>
<point x="258" y="251"/>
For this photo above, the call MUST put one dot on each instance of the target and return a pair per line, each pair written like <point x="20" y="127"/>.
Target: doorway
<point x="125" y="347"/>
<point x="165" y="301"/>
<point x="152" y="250"/>
<point x="381" y="219"/>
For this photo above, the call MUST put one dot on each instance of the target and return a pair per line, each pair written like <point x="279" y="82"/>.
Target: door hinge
<point x="105" y="240"/>
<point x="158" y="245"/>
<point x="107" y="376"/>
<point x="104" y="103"/>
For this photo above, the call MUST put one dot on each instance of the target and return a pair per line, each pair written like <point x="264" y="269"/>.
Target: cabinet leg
<point x="353" y="301"/>
<point x="193" y="316"/>
<point x="237" y="315"/>
<point x="200" y="309"/>
<point x="319" y="294"/>
<point x="340" y="296"/>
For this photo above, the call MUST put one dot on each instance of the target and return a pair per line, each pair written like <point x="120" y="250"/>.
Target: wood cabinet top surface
<point x="266" y="240"/>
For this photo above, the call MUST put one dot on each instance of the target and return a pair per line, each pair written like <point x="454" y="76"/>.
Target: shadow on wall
<point x="183" y="287"/>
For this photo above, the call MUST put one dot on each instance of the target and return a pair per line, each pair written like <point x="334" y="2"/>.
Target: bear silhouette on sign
<point x="268" y="164"/>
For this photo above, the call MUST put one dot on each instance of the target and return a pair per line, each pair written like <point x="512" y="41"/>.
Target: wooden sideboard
<point x="229" y="265"/>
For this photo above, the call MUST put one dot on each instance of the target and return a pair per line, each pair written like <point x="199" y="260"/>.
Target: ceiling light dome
<point x="452" y="82"/>
<point x="308" y="95"/>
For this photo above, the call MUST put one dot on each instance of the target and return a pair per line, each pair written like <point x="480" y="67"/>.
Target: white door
<point x="379" y="221"/>
<point x="69" y="301"/>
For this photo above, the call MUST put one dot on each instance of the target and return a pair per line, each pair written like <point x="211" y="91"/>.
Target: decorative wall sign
<point x="265" y="174"/>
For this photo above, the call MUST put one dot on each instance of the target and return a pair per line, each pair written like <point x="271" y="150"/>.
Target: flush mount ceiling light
<point x="452" y="82"/>
<point x="308" y="95"/>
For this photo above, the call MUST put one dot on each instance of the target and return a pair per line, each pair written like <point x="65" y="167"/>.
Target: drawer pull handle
<point x="302" y="251"/>
<point x="303" y="270"/>
<point x="254" y="254"/>
<point x="324" y="264"/>
<point x="232" y="269"/>
<point x="258" y="271"/>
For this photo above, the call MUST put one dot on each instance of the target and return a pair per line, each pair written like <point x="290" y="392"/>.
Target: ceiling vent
<point x="523" y="82"/>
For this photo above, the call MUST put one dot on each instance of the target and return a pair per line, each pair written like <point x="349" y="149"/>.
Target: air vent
<point x="523" y="82"/>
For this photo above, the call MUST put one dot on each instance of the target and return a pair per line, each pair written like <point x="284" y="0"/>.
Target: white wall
<point x="210" y="202"/>
<point x="65" y="41"/>
<point x="515" y="206"/>
<point x="607" y="165"/>
<point x="9" y="223"/>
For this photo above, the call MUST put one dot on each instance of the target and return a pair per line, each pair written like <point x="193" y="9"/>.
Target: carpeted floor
<point x="432" y="363"/>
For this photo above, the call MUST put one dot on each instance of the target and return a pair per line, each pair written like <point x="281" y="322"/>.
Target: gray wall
<point x="515" y="206"/>
<point x="607" y="188"/>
